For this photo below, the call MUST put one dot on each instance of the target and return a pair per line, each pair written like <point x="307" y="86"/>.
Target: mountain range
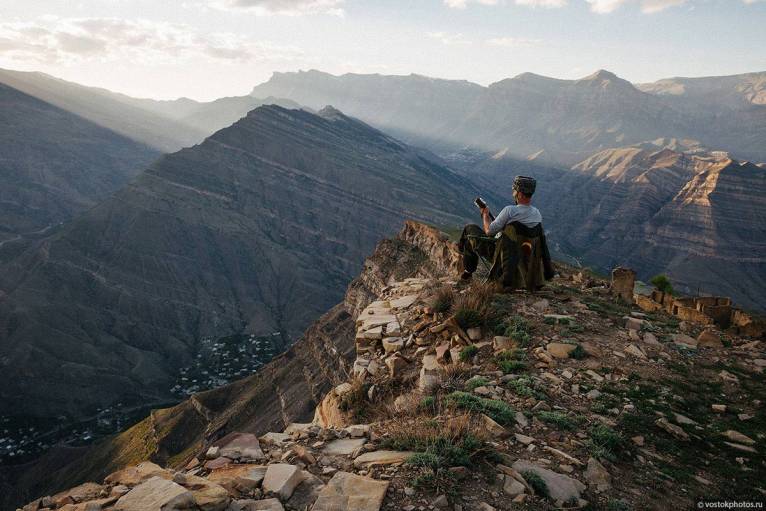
<point x="532" y="116"/>
<point x="258" y="229"/>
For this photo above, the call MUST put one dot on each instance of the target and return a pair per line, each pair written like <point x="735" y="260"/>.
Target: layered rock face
<point x="286" y="390"/>
<point x="698" y="217"/>
<point x="56" y="164"/>
<point x="260" y="228"/>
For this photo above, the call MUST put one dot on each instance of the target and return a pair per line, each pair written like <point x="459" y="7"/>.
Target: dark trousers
<point x="475" y="243"/>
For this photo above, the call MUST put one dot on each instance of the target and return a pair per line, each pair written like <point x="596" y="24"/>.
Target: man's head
<point x="523" y="189"/>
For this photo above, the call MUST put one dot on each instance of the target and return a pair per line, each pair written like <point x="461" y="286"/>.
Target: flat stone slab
<point x="257" y="505"/>
<point x="403" y="302"/>
<point x="155" y="494"/>
<point x="350" y="492"/>
<point x="281" y="479"/>
<point x="343" y="446"/>
<point x="373" y="458"/>
<point x="240" y="445"/>
<point x="561" y="487"/>
<point x="246" y="476"/>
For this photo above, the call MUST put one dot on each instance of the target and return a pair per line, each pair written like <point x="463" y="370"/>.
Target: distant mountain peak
<point x="602" y="74"/>
<point x="329" y="112"/>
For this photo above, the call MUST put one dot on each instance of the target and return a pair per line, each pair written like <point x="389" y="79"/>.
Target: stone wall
<point x="704" y="310"/>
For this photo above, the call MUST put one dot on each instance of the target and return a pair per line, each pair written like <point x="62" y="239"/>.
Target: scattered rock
<point x="257" y="505"/>
<point x="343" y="446"/>
<point x="474" y="333"/>
<point x="634" y="350"/>
<point x="350" y="492"/>
<point x="709" y="339"/>
<point x="560" y="350"/>
<point x="671" y="428"/>
<point x="562" y="488"/>
<point x="281" y="479"/>
<point x="736" y="436"/>
<point x="241" y="446"/>
<point x="156" y="494"/>
<point x="718" y="408"/>
<point x="684" y="340"/>
<point x="598" y="476"/>
<point x="374" y="458"/>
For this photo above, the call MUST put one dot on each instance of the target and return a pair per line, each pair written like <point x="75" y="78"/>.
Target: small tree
<point x="662" y="282"/>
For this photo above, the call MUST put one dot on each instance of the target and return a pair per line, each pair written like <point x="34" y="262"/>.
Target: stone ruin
<point x="704" y="310"/>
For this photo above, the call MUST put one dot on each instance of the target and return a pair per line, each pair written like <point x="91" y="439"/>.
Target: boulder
<point x="83" y="492"/>
<point x="306" y="492"/>
<point x="634" y="350"/>
<point x="708" y="338"/>
<point x="684" y="340"/>
<point x="343" y="446"/>
<point x="239" y="477"/>
<point x="597" y="476"/>
<point x="241" y="446"/>
<point x="502" y="343"/>
<point x="493" y="428"/>
<point x="350" y="492"/>
<point x="512" y="487"/>
<point x="375" y="458"/>
<point x="561" y="488"/>
<point x="474" y="333"/>
<point x="430" y="374"/>
<point x="328" y="413"/>
<point x="560" y="350"/>
<point x="395" y="366"/>
<point x="132" y="476"/>
<point x="393" y="344"/>
<point x="651" y="339"/>
<point x="281" y="479"/>
<point x="208" y="495"/>
<point x="736" y="436"/>
<point x="633" y="323"/>
<point x="156" y="494"/>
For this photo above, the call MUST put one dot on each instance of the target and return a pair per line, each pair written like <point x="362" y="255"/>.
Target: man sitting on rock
<point x="514" y="242"/>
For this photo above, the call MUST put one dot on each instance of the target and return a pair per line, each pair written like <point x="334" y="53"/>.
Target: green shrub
<point x="468" y="318"/>
<point x="519" y="330"/>
<point x="427" y="403"/>
<point x="536" y="482"/>
<point x="511" y="361"/>
<point x="468" y="352"/>
<point x="524" y="386"/>
<point x="499" y="411"/>
<point x="604" y="442"/>
<point x="558" y="419"/>
<point x="578" y="353"/>
<point x="662" y="282"/>
<point x="511" y="366"/>
<point x="475" y="382"/>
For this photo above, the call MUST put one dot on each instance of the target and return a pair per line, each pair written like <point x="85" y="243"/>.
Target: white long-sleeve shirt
<point x="527" y="215"/>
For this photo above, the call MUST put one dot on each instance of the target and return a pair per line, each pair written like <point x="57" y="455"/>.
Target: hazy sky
<point x="205" y="49"/>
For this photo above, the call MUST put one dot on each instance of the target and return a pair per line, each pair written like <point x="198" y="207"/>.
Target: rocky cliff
<point x="458" y="398"/>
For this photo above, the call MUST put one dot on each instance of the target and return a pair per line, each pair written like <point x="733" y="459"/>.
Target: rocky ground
<point x="462" y="398"/>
